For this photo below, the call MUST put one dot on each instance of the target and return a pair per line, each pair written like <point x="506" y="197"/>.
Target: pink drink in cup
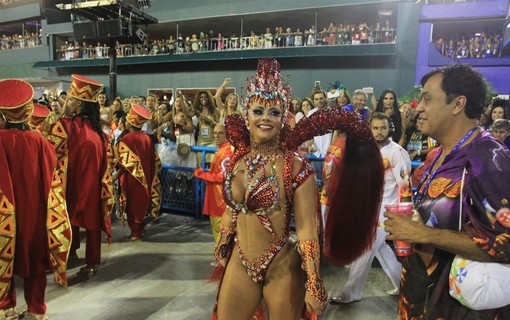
<point x="402" y="248"/>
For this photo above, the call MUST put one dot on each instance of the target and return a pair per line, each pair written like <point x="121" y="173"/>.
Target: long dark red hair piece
<point x="355" y="198"/>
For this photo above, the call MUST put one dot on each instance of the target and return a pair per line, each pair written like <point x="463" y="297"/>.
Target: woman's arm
<point x="307" y="229"/>
<point x="217" y="96"/>
<point x="221" y="250"/>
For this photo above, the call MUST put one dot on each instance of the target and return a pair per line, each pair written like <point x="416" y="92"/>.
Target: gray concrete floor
<point x="163" y="276"/>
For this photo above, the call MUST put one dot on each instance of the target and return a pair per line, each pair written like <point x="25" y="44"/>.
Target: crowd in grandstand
<point x="476" y="45"/>
<point x="280" y="37"/>
<point x="15" y="41"/>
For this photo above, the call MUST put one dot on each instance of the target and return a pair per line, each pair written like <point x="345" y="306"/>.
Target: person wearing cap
<point x="30" y="221"/>
<point x="37" y="120"/>
<point x="138" y="167"/>
<point x="83" y="163"/>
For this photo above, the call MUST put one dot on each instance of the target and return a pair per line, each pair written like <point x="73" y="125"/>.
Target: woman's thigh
<point x="284" y="288"/>
<point x="239" y="296"/>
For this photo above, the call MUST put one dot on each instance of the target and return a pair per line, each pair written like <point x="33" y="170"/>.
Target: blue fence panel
<point x="183" y="192"/>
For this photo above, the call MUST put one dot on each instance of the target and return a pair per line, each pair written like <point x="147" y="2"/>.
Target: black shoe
<point x="88" y="272"/>
<point x="72" y="257"/>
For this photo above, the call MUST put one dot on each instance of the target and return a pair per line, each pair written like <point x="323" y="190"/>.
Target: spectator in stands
<point x="450" y="49"/>
<point x="418" y="144"/>
<point x="289" y="37"/>
<point x="306" y="106"/>
<point x="183" y="123"/>
<point x="498" y="110"/>
<point x="208" y="118"/>
<point x="295" y="106"/>
<point x="475" y="49"/>
<point x="231" y="104"/>
<point x="358" y="105"/>
<point x="311" y="36"/>
<point x="56" y="111"/>
<point x="500" y="129"/>
<point x="298" y="38"/>
<point x="320" y="143"/>
<point x="149" y="126"/>
<point x="388" y="105"/>
<point x="105" y="113"/>
<point x="462" y="49"/>
<point x="119" y="119"/>
<point x="116" y="104"/>
<point x="254" y="40"/>
<point x="439" y="44"/>
<point x="343" y="99"/>
<point x="268" y="38"/>
<point x="163" y="121"/>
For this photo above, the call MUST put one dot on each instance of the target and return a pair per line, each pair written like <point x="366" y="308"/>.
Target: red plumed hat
<point x="16" y="100"/>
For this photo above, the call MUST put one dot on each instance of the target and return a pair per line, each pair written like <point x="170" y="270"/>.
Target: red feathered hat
<point x="16" y="100"/>
<point x="40" y="114"/>
<point x="138" y="115"/>
<point x="84" y="88"/>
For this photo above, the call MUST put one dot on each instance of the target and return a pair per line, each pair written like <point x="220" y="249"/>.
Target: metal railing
<point x="182" y="192"/>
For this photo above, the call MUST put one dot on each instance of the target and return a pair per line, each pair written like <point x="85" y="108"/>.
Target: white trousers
<point x="358" y="273"/>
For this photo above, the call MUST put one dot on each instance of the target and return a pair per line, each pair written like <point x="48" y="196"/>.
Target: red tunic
<point x="82" y="161"/>
<point x="33" y="219"/>
<point x="140" y="183"/>
<point x="214" y="205"/>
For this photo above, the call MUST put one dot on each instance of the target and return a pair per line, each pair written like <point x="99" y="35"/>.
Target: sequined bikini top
<point x="261" y="198"/>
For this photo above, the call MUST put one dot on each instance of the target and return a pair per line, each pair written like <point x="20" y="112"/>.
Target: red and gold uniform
<point x="140" y="184"/>
<point x="83" y="163"/>
<point x="35" y="231"/>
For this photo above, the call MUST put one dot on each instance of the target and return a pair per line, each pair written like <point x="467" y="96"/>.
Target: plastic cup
<point x="402" y="248"/>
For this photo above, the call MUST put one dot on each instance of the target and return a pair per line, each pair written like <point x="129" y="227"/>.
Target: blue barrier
<point x="182" y="192"/>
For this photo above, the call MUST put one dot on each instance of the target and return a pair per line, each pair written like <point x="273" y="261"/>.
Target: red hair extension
<point x="355" y="198"/>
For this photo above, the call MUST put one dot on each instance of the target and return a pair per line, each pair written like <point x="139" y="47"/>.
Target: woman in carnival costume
<point x="267" y="184"/>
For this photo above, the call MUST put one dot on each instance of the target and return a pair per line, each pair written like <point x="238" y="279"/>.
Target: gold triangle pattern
<point x="7" y="242"/>
<point x="131" y="162"/>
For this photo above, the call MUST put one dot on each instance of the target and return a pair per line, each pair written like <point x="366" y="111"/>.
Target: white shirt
<point x="320" y="143"/>
<point x="397" y="169"/>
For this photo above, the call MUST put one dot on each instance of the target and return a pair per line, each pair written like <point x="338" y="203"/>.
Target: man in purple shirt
<point x="470" y="160"/>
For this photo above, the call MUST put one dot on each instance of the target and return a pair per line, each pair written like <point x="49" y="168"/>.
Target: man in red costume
<point x="214" y="205"/>
<point x="138" y="171"/>
<point x="34" y="231"/>
<point x="37" y="120"/>
<point x="83" y="164"/>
